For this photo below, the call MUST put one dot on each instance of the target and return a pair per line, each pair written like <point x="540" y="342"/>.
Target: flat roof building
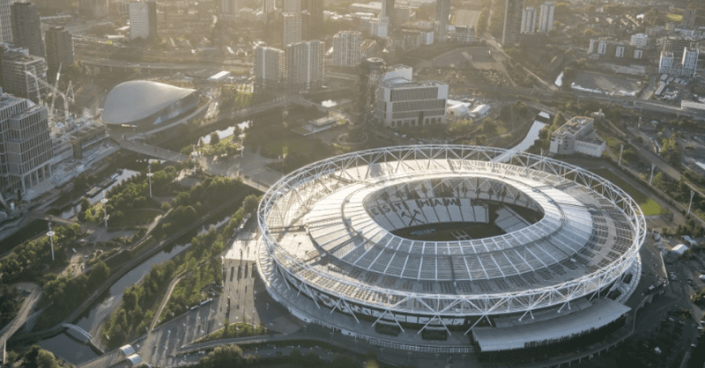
<point x="25" y="146"/>
<point x="5" y="22"/>
<point x="269" y="68"/>
<point x="512" y="22"/>
<point x="577" y="135"/>
<point x="346" y="48"/>
<point x="27" y="28"/>
<point x="59" y="48"/>
<point x="443" y="16"/>
<point x="93" y="8"/>
<point x="528" y="20"/>
<point x="293" y="28"/>
<point x="401" y="102"/>
<point x="15" y="66"/>
<point x="305" y="65"/>
<point x="546" y="17"/>
<point x="143" y="19"/>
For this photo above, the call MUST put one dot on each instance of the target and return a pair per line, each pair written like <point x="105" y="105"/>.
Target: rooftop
<point x="574" y="125"/>
<point x="136" y="100"/>
<point x="517" y="337"/>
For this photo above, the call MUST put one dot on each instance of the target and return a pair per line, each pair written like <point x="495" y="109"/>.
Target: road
<point x="165" y="299"/>
<point x="29" y="303"/>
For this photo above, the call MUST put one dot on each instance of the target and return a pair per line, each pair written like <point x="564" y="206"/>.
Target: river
<point x="531" y="136"/>
<point x="77" y="352"/>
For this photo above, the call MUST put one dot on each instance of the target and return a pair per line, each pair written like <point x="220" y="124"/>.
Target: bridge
<point x="153" y="151"/>
<point x="82" y="335"/>
<point x="77" y="332"/>
<point x="51" y="218"/>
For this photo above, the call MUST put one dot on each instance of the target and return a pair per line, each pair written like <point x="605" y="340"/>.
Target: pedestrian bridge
<point x="77" y="332"/>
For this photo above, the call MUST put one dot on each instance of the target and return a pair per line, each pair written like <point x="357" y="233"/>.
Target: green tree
<point x="215" y="139"/>
<point x="658" y="180"/>
<point x="46" y="359"/>
<point x="99" y="274"/>
<point x="250" y="203"/>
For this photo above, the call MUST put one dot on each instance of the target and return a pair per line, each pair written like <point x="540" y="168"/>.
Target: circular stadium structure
<point x="415" y="247"/>
<point x="143" y="104"/>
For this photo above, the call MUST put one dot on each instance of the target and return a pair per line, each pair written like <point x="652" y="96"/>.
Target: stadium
<point x="456" y="249"/>
<point x="144" y="104"/>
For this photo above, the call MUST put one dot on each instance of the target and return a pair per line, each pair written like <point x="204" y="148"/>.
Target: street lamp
<point x="193" y="156"/>
<point x="104" y="201"/>
<point x="149" y="176"/>
<point x="50" y="234"/>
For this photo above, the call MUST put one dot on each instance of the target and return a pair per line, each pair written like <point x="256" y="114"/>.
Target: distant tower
<point x="305" y="65"/>
<point x="387" y="8"/>
<point x="293" y="27"/>
<point x="443" y="16"/>
<point x="59" y="48"/>
<point x="291" y="6"/>
<point x="229" y="9"/>
<point x="512" y="22"/>
<point x="528" y="20"/>
<point x="143" y="19"/>
<point x="5" y="22"/>
<point x="315" y="8"/>
<point x="268" y="68"/>
<point x="546" y="17"/>
<point x="27" y="28"/>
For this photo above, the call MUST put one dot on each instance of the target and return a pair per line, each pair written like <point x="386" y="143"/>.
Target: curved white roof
<point x="136" y="100"/>
<point x="331" y="225"/>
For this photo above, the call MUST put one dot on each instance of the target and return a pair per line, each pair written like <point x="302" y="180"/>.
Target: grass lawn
<point x="677" y="18"/>
<point x="648" y="205"/>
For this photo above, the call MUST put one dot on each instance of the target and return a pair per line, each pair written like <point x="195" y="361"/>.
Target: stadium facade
<point x="144" y="104"/>
<point x="455" y="249"/>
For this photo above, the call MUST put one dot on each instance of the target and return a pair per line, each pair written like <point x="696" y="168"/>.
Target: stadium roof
<point x="136" y="100"/>
<point x="516" y="337"/>
<point x="332" y="225"/>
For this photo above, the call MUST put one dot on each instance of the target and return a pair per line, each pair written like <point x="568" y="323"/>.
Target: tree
<point x="215" y="138"/>
<point x="98" y="275"/>
<point x="482" y="20"/>
<point x="223" y="356"/>
<point x="558" y="120"/>
<point x="85" y="205"/>
<point x="250" y="203"/>
<point x="658" y="180"/>
<point x="46" y="359"/>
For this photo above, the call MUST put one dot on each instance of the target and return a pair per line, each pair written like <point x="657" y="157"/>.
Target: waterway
<point x="104" y="308"/>
<point x="76" y="352"/>
<point x="524" y="145"/>
<point x="66" y="347"/>
<point x="225" y="133"/>
<point x="530" y="138"/>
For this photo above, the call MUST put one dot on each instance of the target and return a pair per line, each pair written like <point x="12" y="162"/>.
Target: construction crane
<point x="68" y="97"/>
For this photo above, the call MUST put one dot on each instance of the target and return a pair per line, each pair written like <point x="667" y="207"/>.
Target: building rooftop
<point x="404" y="83"/>
<point x="136" y="100"/>
<point x="517" y="337"/>
<point x="574" y="125"/>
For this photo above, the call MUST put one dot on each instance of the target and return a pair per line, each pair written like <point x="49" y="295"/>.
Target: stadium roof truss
<point x="289" y="200"/>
